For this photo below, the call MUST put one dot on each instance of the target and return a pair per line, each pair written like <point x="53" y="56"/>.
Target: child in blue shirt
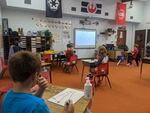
<point x="24" y="70"/>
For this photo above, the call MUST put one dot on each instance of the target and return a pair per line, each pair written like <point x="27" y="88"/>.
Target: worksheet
<point x="67" y="94"/>
<point x="90" y="60"/>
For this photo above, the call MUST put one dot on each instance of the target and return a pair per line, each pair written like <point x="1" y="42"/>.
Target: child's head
<point x="102" y="51"/>
<point x="136" y="45"/>
<point x="23" y="65"/>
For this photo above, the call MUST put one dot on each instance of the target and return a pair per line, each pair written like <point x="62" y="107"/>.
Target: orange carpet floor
<point x="129" y="94"/>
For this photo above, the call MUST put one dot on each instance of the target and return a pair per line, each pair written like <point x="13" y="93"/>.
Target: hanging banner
<point x="91" y="7"/>
<point x="53" y="8"/>
<point x="121" y="14"/>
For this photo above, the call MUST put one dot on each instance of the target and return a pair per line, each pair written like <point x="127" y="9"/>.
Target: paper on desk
<point x="90" y="61"/>
<point x="67" y="94"/>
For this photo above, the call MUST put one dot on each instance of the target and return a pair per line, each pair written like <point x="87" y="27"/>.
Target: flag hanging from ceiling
<point x="53" y="8"/>
<point x="121" y="14"/>
<point x="91" y="7"/>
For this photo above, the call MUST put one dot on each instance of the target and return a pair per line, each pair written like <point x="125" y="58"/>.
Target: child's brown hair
<point x="23" y="65"/>
<point x="102" y="51"/>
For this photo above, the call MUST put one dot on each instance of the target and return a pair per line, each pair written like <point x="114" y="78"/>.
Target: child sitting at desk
<point x="69" y="51"/>
<point x="24" y="69"/>
<point x="101" y="57"/>
<point x="70" y="62"/>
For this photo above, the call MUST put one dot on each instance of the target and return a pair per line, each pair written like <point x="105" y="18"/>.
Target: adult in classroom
<point x="24" y="69"/>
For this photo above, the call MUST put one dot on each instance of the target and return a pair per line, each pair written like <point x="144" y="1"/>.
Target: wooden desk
<point x="50" y="73"/>
<point x="80" y="106"/>
<point x="86" y="62"/>
<point x="141" y="68"/>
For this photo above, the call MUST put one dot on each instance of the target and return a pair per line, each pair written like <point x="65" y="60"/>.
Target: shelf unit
<point x="29" y="43"/>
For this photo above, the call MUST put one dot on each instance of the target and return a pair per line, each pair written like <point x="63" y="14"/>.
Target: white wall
<point x="27" y="19"/>
<point x="146" y="21"/>
<point x="1" y="41"/>
<point x="18" y="19"/>
<point x="107" y="6"/>
<point x="35" y="4"/>
<point x="137" y="11"/>
<point x="130" y="36"/>
<point x="146" y="12"/>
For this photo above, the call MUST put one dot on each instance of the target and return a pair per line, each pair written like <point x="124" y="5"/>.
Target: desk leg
<point x="82" y="73"/>
<point x="50" y="74"/>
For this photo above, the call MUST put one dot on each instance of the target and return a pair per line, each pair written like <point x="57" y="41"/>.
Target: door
<point x="148" y="42"/>
<point x="140" y="40"/>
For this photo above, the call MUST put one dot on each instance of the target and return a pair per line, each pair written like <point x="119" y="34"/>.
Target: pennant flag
<point x="121" y="14"/>
<point x="53" y="8"/>
<point x="90" y="7"/>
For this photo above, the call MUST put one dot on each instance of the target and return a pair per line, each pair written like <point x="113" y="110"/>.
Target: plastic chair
<point x="4" y="89"/>
<point x="68" y="66"/>
<point x="102" y="72"/>
<point x="4" y="67"/>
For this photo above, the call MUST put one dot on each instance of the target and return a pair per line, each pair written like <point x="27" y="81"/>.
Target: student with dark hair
<point x="24" y="69"/>
<point x="14" y="48"/>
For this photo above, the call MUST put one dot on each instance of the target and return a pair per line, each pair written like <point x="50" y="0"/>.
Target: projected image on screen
<point x="85" y="38"/>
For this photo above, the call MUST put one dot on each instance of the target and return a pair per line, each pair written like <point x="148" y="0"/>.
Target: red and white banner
<point x="121" y="14"/>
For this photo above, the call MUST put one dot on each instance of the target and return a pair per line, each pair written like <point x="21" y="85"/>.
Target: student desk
<point x="79" y="106"/>
<point x="144" y="60"/>
<point x="44" y="64"/>
<point x="86" y="62"/>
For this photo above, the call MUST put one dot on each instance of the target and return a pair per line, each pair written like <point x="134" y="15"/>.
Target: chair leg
<point x="108" y="81"/>
<point x="95" y="82"/>
<point x="3" y="73"/>
<point x="76" y="68"/>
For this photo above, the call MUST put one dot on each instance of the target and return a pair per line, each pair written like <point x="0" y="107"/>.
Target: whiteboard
<point x="65" y="95"/>
<point x="85" y="38"/>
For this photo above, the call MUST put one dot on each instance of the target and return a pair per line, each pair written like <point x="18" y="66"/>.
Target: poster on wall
<point x="53" y="8"/>
<point x="121" y="14"/>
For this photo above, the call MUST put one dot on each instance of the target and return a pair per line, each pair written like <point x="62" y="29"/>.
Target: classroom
<point x="74" y="56"/>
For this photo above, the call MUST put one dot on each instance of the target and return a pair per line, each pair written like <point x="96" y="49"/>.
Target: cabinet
<point x="114" y="53"/>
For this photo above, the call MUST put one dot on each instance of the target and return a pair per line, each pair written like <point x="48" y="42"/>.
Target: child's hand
<point x="42" y="82"/>
<point x="69" y="108"/>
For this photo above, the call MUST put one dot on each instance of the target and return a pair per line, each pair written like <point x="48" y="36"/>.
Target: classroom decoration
<point x="91" y="7"/>
<point x="53" y="8"/>
<point x="52" y="23"/>
<point x="87" y="21"/>
<point x="121" y="14"/>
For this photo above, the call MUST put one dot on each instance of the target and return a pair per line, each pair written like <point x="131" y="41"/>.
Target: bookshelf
<point x="29" y="43"/>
